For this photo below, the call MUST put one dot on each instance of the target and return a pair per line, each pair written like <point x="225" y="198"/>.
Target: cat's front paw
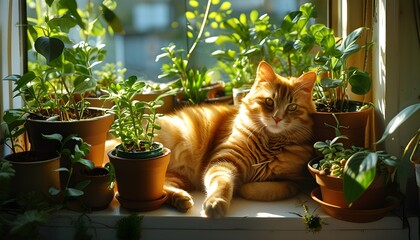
<point x="182" y="201"/>
<point x="215" y="207"/>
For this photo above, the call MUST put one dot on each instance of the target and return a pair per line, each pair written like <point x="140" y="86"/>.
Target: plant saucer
<point x="355" y="215"/>
<point x="142" y="206"/>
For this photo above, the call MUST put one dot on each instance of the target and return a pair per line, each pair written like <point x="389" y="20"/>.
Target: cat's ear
<point x="306" y="82"/>
<point x="265" y="73"/>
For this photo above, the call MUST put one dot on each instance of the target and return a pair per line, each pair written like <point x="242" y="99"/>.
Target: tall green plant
<point x="191" y="79"/>
<point x="332" y="63"/>
<point x="246" y="36"/>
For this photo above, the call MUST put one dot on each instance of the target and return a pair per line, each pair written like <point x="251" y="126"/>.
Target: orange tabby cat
<point x="257" y="150"/>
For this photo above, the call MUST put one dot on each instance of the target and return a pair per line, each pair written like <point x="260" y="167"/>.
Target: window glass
<point x="151" y="25"/>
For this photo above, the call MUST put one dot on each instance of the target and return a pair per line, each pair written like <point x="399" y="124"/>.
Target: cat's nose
<point x="276" y="119"/>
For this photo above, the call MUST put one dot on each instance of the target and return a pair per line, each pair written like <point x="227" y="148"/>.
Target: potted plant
<point x="356" y="171"/>
<point x="99" y="193"/>
<point x="53" y="90"/>
<point x="194" y="82"/>
<point x="85" y="187"/>
<point x="354" y="182"/>
<point x="140" y="163"/>
<point x="37" y="166"/>
<point x="331" y="92"/>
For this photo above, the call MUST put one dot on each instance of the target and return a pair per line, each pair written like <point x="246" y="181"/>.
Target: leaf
<point x="399" y="119"/>
<point x="112" y="19"/>
<point x="55" y="136"/>
<point x="62" y="169"/>
<point x="330" y="83"/>
<point x="73" y="192"/>
<point x="53" y="191"/>
<point x="25" y="224"/>
<point x="87" y="163"/>
<point x="83" y="84"/>
<point x="83" y="184"/>
<point x="359" y="173"/>
<point x="360" y="82"/>
<point x="349" y="45"/>
<point x="71" y="5"/>
<point x="49" y="47"/>
<point x="225" y="6"/>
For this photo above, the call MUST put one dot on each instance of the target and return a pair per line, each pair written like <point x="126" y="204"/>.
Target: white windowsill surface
<point x="245" y="220"/>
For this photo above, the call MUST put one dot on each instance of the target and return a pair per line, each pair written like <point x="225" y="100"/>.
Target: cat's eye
<point x="269" y="102"/>
<point x="292" y="107"/>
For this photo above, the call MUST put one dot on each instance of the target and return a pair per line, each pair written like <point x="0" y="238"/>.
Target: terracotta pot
<point x="93" y="131"/>
<point x="35" y="171"/>
<point x="140" y="181"/>
<point x="169" y="101"/>
<point x="97" y="195"/>
<point x="355" y="124"/>
<point x="332" y="191"/>
<point x="355" y="215"/>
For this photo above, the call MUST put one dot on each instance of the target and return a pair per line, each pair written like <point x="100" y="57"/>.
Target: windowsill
<point x="244" y="220"/>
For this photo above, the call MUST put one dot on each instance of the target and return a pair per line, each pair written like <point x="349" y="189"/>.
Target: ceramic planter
<point x="371" y="206"/>
<point x="140" y="181"/>
<point x="94" y="131"/>
<point x="355" y="126"/>
<point x="97" y="195"/>
<point x="35" y="171"/>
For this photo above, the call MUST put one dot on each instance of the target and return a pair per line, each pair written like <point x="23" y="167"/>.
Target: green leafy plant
<point x="357" y="166"/>
<point x="191" y="79"/>
<point x="135" y="123"/>
<point x="362" y="167"/>
<point x="109" y="73"/>
<point x="332" y="65"/>
<point x="65" y="69"/>
<point x="291" y="45"/>
<point x="248" y="39"/>
<point x="312" y="221"/>
<point x="412" y="146"/>
<point x="13" y="127"/>
<point x="246" y="36"/>
<point x="76" y="157"/>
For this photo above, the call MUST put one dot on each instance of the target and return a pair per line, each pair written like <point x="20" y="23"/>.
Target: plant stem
<point x="200" y="33"/>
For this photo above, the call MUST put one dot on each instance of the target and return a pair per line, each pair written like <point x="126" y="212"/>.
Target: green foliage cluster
<point x="65" y="69"/>
<point x="294" y="46"/>
<point x="178" y="61"/>
<point x="248" y="39"/>
<point x="135" y="122"/>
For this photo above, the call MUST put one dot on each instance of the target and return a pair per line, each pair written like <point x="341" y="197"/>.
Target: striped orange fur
<point x="258" y="150"/>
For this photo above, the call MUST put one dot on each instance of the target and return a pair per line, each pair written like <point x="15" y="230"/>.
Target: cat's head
<point x="279" y="104"/>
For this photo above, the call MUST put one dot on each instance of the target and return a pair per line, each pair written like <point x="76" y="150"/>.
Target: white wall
<point x="396" y="68"/>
